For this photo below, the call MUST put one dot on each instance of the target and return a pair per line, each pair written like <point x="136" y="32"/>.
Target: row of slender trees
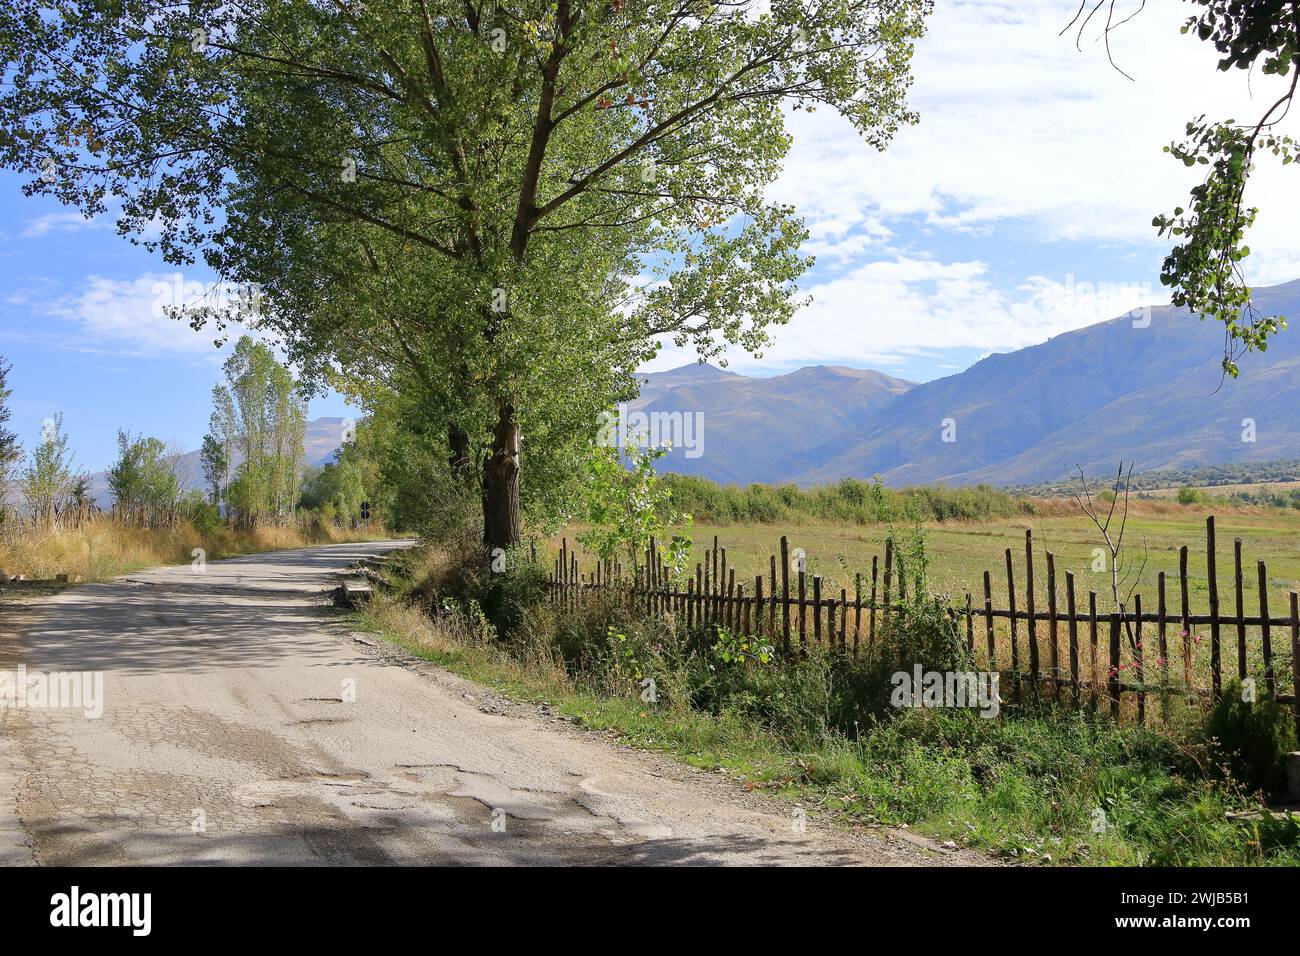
<point x="252" y="460"/>
<point x="252" y="454"/>
<point x="55" y="491"/>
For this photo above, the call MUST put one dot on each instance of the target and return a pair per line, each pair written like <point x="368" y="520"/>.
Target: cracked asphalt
<point x="244" y="723"/>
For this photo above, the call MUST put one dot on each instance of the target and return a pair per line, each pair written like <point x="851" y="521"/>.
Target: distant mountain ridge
<point x="1153" y="394"/>
<point x="764" y="429"/>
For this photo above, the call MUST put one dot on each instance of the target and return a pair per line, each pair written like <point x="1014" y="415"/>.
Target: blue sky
<point x="78" y="326"/>
<point x="1018" y="208"/>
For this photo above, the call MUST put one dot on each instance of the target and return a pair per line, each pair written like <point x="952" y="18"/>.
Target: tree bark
<point x="461" y="456"/>
<point x="501" y="483"/>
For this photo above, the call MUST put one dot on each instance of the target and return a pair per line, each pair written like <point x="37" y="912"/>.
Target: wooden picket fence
<point x="1091" y="655"/>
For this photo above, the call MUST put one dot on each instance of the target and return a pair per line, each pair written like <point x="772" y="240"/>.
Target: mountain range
<point x="1151" y="393"/>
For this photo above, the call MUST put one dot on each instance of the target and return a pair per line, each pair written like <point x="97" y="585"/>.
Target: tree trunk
<point x="501" y="483"/>
<point x="461" y="457"/>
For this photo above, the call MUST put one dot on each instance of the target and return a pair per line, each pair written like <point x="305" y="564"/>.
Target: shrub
<point x="203" y="514"/>
<point x="1252" y="739"/>
<point x="850" y="500"/>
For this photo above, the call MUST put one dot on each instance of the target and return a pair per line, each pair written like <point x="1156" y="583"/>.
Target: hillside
<point x="766" y="429"/>
<point x="1154" y="395"/>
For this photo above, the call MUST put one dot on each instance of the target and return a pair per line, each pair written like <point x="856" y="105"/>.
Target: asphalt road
<point x="244" y="723"/>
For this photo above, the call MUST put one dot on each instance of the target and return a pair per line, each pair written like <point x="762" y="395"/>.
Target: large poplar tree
<point x="583" y="178"/>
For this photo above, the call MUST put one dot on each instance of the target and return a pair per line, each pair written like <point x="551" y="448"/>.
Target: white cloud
<point x="1015" y="123"/>
<point x="127" y="316"/>
<point x="1023" y="140"/>
<point x="63" y="221"/>
<point x="889" y="312"/>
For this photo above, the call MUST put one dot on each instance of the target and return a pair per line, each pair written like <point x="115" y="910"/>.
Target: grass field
<point x="959" y="553"/>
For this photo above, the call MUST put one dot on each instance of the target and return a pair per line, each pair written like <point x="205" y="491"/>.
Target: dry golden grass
<point x="530" y="672"/>
<point x="103" y="548"/>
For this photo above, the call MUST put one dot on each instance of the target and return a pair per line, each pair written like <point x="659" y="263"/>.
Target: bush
<point x="203" y="514"/>
<point x="1252" y="739"/>
<point x="851" y="500"/>
<point x="504" y="594"/>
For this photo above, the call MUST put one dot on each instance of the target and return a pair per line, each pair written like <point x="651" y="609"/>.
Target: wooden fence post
<point x="1162" y="612"/>
<point x="817" y="612"/>
<point x="970" y="628"/>
<point x="1266" y="638"/>
<point x="988" y="622"/>
<point x="1138" y="671"/>
<point x="844" y="614"/>
<point x="830" y="620"/>
<point x="875" y="567"/>
<point x="1094" y="679"/>
<point x="1295" y="660"/>
<point x="785" y="593"/>
<point x="1011" y="616"/>
<point x="889" y="572"/>
<point x="1113" y="674"/>
<point x="1241" y="610"/>
<point x="731" y="598"/>
<point x="857" y="609"/>
<point x="803" y="610"/>
<point x="1029" y="610"/>
<point x="1074" y="634"/>
<point x="1216" y="671"/>
<point x="771" y="608"/>
<point x="1054" y="658"/>
<point x="1187" y="621"/>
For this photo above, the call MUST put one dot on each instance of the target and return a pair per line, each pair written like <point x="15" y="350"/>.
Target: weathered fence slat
<point x="803" y="610"/>
<point x="1162" y="611"/>
<point x="857" y="610"/>
<point x="1093" y="678"/>
<point x="1137" y="659"/>
<point x="988" y="621"/>
<point x="1113" y="674"/>
<point x="970" y="627"/>
<point x="889" y="571"/>
<point x="817" y="603"/>
<point x="1212" y="578"/>
<point x="1030" y="621"/>
<point x="771" y="610"/>
<point x="1241" y="610"/>
<point x="1266" y="639"/>
<point x="1053" y="659"/>
<point x="785" y="593"/>
<point x="875" y="567"/>
<point x="1295" y="659"/>
<point x="1074" y="634"/>
<point x="1187" y="618"/>
<point x="844" y="614"/>
<point x="712" y="597"/>
<point x="1011" y="610"/>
